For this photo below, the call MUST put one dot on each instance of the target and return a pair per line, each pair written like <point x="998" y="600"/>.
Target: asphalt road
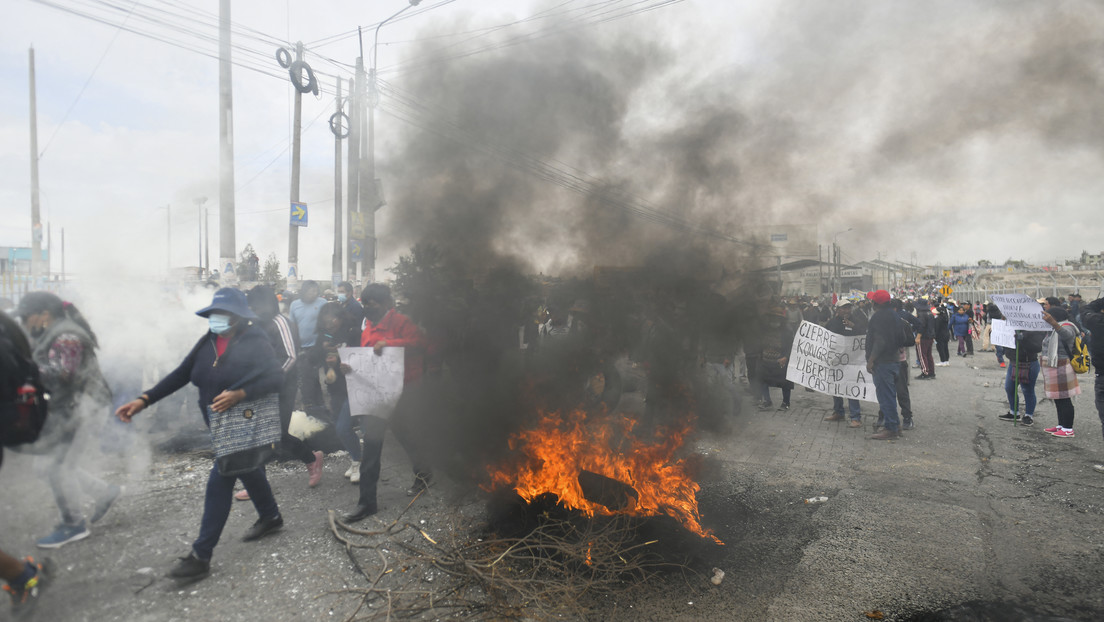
<point x="966" y="518"/>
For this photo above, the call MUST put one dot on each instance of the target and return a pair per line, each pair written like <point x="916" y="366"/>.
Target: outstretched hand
<point x="128" y="410"/>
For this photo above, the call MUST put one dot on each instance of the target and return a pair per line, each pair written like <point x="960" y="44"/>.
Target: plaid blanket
<point x="255" y="423"/>
<point x="1060" y="381"/>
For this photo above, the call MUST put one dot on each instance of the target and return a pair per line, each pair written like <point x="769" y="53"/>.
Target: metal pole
<point x="63" y="254"/>
<point x="336" y="264"/>
<point x="227" y="242"/>
<point x="293" y="230"/>
<point x="36" y="219"/>
<point x="168" y="240"/>
<point x="206" y="243"/>
<point x="199" y="234"/>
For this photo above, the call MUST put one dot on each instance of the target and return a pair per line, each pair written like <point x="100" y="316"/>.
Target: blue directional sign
<point x="356" y="251"/>
<point x="299" y="214"/>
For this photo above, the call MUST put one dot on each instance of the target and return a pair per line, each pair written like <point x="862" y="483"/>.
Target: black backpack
<point x="23" y="398"/>
<point x="908" y="338"/>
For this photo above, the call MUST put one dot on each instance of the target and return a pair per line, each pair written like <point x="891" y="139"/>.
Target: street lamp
<point x="199" y="202"/>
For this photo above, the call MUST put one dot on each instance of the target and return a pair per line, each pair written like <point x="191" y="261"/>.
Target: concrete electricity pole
<point x="36" y="219"/>
<point x="293" y="229"/>
<point x="337" y="127"/>
<point x="199" y="203"/>
<point x="226" y="148"/>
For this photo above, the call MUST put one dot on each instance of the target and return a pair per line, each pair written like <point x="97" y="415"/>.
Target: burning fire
<point x="563" y="456"/>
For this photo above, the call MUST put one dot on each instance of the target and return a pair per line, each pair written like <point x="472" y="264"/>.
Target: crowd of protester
<point x="628" y="355"/>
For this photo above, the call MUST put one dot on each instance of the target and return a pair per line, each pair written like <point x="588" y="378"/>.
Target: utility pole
<point x="368" y="179"/>
<point x="226" y="148"/>
<point x="199" y="203"/>
<point x="355" y="130"/>
<point x="36" y="219"/>
<point x="335" y="266"/>
<point x="820" y="271"/>
<point x="206" y="243"/>
<point x="63" y="254"/>
<point x="293" y="230"/>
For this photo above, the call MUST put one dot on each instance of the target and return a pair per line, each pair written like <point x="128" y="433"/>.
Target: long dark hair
<point x="34" y="303"/>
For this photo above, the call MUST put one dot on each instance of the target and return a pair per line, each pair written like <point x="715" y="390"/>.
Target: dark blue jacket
<point x="960" y="324"/>
<point x="248" y="363"/>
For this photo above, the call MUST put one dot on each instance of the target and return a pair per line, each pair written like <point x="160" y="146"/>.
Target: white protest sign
<point x="1003" y="334"/>
<point x="830" y="363"/>
<point x="1021" y="311"/>
<point x="376" y="381"/>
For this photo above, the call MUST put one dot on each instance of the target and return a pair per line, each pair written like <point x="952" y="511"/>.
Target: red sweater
<point x="399" y="332"/>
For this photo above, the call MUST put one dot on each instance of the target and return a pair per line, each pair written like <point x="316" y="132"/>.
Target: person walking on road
<point x="64" y="348"/>
<point x="1092" y="318"/>
<point x="232" y="362"/>
<point x="1059" y="379"/>
<point x="942" y="335"/>
<point x="884" y="337"/>
<point x="925" y="336"/>
<point x="960" y="328"/>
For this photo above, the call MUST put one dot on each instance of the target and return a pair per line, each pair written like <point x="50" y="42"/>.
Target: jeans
<point x="346" y="434"/>
<point x="220" y="496"/>
<point x="885" y="381"/>
<point x="1028" y="388"/>
<point x="901" y="385"/>
<point x="1000" y="354"/>
<point x="852" y="408"/>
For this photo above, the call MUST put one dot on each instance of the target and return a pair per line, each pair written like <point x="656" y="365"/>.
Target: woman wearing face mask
<point x="64" y="349"/>
<point x="231" y="363"/>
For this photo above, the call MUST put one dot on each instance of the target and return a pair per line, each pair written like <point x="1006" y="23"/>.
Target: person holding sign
<point x="850" y="324"/>
<point x="387" y="328"/>
<point x="1024" y="371"/>
<point x="883" y="347"/>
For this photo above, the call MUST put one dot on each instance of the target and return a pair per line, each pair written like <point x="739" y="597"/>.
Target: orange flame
<point x="554" y="453"/>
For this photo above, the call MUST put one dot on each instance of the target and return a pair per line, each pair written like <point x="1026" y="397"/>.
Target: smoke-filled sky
<point x="563" y="134"/>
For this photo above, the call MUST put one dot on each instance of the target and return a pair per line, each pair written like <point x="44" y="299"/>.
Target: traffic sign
<point x="946" y="291"/>
<point x="356" y="251"/>
<point x="299" y="214"/>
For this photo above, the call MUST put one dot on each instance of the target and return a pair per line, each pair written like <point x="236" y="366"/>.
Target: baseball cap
<point x="880" y="297"/>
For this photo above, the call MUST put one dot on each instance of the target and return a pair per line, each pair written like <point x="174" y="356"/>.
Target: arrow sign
<point x="356" y="251"/>
<point x="946" y="291"/>
<point x="299" y="214"/>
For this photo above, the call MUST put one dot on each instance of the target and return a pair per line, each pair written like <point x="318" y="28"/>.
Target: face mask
<point x="219" y="323"/>
<point x="342" y="297"/>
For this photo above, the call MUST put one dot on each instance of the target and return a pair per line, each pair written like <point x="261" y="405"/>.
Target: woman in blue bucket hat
<point x="232" y="362"/>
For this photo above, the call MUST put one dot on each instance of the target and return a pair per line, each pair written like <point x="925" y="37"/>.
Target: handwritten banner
<point x="830" y="363"/>
<point x="376" y="381"/>
<point x="1002" y="334"/>
<point x="1021" y="311"/>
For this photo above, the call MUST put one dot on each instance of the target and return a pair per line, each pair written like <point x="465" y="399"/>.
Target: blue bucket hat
<point x="229" y="300"/>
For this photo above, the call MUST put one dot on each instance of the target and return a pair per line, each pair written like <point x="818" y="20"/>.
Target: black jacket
<point x="1092" y="319"/>
<point x="926" y="321"/>
<point x="248" y="363"/>
<point x="858" y="327"/>
<point x="1028" y="345"/>
<point x="884" y="336"/>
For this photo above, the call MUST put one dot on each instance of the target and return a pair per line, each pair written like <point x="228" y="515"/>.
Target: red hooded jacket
<point x="399" y="332"/>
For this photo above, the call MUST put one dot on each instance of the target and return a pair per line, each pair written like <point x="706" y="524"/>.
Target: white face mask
<point x="219" y="323"/>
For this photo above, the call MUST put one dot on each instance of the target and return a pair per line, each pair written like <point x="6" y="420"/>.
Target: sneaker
<point x="421" y="482"/>
<point x="1051" y="430"/>
<point x="885" y="435"/>
<point x="764" y="405"/>
<point x="242" y="495"/>
<point x="1027" y="420"/>
<point x="1062" y="433"/>
<point x="834" y="417"/>
<point x="263" y="527"/>
<point x="24" y="597"/>
<point x="907" y="424"/>
<point x="355" y="477"/>
<point x="354" y="467"/>
<point x="784" y="406"/>
<point x="190" y="567"/>
<point x="1003" y="364"/>
<point x="1099" y="468"/>
<point x="64" y="534"/>
<point x="1007" y="417"/>
<point x="314" y="469"/>
<point x="103" y="504"/>
<point x="855" y="423"/>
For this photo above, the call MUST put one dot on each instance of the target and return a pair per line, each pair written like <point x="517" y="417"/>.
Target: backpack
<point x="908" y="338"/>
<point x="23" y="398"/>
<point x="1079" y="357"/>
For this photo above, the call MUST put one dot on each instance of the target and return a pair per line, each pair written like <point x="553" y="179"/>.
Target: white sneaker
<point x="355" y="477"/>
<point x="1099" y="468"/>
<point x="353" y="468"/>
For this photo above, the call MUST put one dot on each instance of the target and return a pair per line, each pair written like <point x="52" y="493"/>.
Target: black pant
<point x="1065" y="411"/>
<point x="403" y="424"/>
<point x="309" y="387"/>
<point x="943" y="350"/>
<point x="292" y="444"/>
<point x="969" y="343"/>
